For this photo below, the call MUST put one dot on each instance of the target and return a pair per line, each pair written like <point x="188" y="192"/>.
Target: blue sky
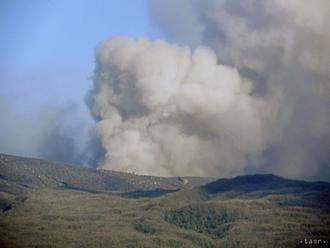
<point x="47" y="47"/>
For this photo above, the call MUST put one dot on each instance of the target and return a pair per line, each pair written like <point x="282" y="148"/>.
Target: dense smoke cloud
<point x="167" y="110"/>
<point x="246" y="90"/>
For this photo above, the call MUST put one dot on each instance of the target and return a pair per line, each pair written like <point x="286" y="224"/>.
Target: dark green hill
<point x="312" y="194"/>
<point x="264" y="182"/>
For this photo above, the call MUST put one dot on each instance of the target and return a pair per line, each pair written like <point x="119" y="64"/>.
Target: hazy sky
<point x="47" y="47"/>
<point x="47" y="52"/>
<point x="198" y="87"/>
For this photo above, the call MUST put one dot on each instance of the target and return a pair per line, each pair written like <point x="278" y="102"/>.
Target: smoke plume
<point x="242" y="86"/>
<point x="58" y="133"/>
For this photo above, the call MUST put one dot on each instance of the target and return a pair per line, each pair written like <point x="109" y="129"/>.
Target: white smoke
<point x="167" y="110"/>
<point x="247" y="89"/>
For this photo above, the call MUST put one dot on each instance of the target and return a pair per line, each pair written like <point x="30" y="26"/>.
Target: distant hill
<point x="313" y="194"/>
<point x="264" y="182"/>
<point x="42" y="173"/>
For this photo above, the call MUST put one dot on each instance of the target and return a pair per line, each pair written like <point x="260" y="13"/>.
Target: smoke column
<point x="242" y="86"/>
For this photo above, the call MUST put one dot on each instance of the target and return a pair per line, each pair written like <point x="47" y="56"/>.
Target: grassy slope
<point x="43" y="173"/>
<point x="70" y="218"/>
<point x="50" y="205"/>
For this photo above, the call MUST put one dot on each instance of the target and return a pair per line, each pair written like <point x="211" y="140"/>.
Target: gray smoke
<point x="245" y="90"/>
<point x="54" y="133"/>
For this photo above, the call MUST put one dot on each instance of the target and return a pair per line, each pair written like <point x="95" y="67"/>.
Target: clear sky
<point x="47" y="46"/>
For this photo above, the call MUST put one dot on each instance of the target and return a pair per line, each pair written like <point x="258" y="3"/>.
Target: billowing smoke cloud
<point x="246" y="90"/>
<point x="167" y="110"/>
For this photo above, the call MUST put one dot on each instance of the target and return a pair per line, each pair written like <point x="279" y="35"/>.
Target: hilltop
<point x="38" y="173"/>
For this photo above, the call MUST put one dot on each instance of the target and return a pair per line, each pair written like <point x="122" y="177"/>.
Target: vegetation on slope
<point x="74" y="214"/>
<point x="211" y="219"/>
<point x="41" y="173"/>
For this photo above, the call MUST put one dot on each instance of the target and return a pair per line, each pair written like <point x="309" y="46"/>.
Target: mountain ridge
<point x="34" y="172"/>
<point x="39" y="173"/>
<point x="249" y="183"/>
